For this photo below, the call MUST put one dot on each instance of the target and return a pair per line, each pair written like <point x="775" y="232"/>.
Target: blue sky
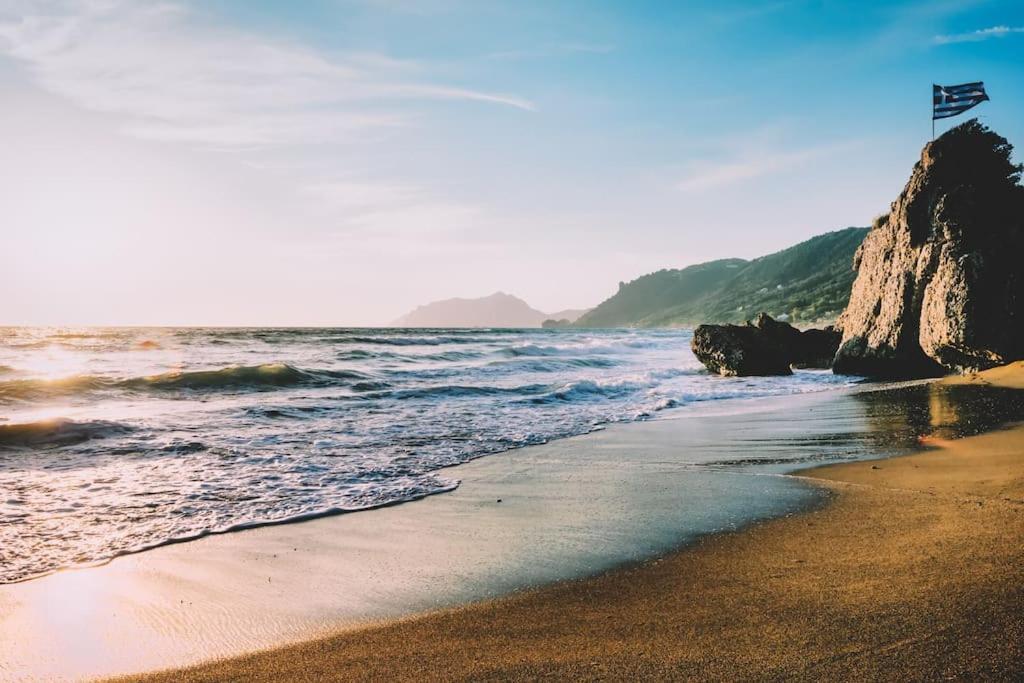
<point x="338" y="162"/>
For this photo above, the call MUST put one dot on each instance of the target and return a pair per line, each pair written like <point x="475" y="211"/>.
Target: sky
<point x="338" y="162"/>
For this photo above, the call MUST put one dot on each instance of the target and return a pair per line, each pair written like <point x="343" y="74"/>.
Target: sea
<point x="115" y="440"/>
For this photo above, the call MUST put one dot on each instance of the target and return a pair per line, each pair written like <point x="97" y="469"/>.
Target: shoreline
<point x="229" y="564"/>
<point x="572" y="507"/>
<point x="732" y="406"/>
<point x="913" y="569"/>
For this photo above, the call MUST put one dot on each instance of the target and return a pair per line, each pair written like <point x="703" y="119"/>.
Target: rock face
<point x="764" y="347"/>
<point x="940" y="279"/>
<point x="738" y="351"/>
<point x="813" y="348"/>
<point x="818" y="347"/>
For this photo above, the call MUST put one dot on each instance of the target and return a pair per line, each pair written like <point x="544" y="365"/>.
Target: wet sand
<point x="915" y="570"/>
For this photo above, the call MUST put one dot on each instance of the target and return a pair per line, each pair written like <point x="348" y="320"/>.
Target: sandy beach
<point x="914" y="570"/>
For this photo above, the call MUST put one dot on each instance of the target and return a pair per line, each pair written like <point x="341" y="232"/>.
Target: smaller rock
<point x="817" y="347"/>
<point x="813" y="348"/>
<point x="763" y="347"/>
<point x="738" y="351"/>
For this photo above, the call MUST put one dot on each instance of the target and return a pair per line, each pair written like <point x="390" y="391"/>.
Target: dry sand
<point x="914" y="571"/>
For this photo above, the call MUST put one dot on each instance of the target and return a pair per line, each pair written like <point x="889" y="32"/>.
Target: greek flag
<point x="950" y="100"/>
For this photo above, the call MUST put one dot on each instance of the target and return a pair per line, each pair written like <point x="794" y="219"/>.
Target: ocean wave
<point x="452" y="356"/>
<point x="266" y="375"/>
<point x="583" y="348"/>
<point x="269" y="374"/>
<point x="383" y="340"/>
<point x="368" y="386"/>
<point x="56" y="432"/>
<point x="238" y="377"/>
<point x="286" y="412"/>
<point x="444" y="356"/>
<point x="28" y="346"/>
<point x="34" y="389"/>
<point x="537" y="350"/>
<point x="461" y="391"/>
<point x="588" y="390"/>
<point x="551" y="364"/>
<point x="109" y="333"/>
<point x="580" y="390"/>
<point x="363" y="354"/>
<point x="79" y="335"/>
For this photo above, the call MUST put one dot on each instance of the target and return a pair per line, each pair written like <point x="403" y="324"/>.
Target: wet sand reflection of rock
<point x="910" y="416"/>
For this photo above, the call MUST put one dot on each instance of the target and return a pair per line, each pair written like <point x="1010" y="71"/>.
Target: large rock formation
<point x="940" y="279"/>
<point x="763" y="347"/>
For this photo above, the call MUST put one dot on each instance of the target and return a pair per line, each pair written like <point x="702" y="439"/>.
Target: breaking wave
<point x="267" y="375"/>
<point x="33" y="389"/>
<point x="56" y="432"/>
<point x="238" y="377"/>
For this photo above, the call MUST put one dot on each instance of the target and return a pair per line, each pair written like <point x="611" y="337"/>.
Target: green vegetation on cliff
<point x="808" y="282"/>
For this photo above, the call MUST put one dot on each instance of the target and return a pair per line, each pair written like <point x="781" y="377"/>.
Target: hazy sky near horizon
<point x="339" y="162"/>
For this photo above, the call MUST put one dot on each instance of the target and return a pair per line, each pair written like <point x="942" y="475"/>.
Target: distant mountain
<point x="497" y="310"/>
<point x="804" y="283"/>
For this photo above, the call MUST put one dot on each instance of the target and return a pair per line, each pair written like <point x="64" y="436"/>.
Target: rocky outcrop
<point x="818" y="347"/>
<point x="940" y="282"/>
<point x="763" y="347"/>
<point x="813" y="348"/>
<point x="738" y="351"/>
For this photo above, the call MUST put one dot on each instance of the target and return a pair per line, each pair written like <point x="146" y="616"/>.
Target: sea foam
<point x="105" y="449"/>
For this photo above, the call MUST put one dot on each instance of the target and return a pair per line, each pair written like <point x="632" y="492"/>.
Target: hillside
<point x="807" y="282"/>
<point x="497" y="310"/>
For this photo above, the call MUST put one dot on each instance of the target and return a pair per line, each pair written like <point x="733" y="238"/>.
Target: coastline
<point x="569" y="508"/>
<point x="798" y="598"/>
<point x="262" y="589"/>
<point x="914" y="569"/>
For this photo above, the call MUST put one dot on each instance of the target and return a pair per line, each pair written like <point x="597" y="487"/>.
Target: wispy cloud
<point x="163" y="73"/>
<point x="360" y="194"/>
<point x="979" y="35"/>
<point x="391" y="213"/>
<point x="172" y="78"/>
<point x="711" y="175"/>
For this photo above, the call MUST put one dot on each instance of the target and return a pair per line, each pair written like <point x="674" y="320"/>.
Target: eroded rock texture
<point x="738" y="351"/>
<point x="939" y="284"/>
<point x="763" y="347"/>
